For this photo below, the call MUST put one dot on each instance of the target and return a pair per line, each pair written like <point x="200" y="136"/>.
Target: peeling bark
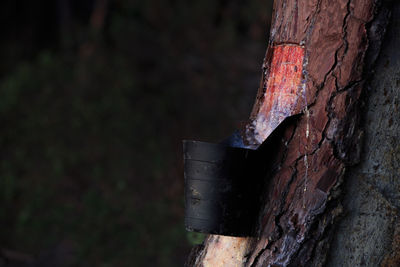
<point x="295" y="226"/>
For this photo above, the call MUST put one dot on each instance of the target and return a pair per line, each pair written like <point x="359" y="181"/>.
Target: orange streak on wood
<point x="283" y="90"/>
<point x="284" y="83"/>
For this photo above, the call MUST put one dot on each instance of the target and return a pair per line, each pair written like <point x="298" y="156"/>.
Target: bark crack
<point x="279" y="214"/>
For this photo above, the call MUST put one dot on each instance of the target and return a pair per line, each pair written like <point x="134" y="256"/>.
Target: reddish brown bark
<point x="301" y="206"/>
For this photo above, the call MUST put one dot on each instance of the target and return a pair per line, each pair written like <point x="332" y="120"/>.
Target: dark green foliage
<point x="91" y="131"/>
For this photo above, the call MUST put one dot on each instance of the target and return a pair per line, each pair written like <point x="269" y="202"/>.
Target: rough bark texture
<point x="369" y="233"/>
<point x="302" y="199"/>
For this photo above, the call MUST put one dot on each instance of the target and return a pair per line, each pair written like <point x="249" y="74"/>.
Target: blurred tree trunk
<point x="341" y="41"/>
<point x="64" y="22"/>
<point x="98" y="17"/>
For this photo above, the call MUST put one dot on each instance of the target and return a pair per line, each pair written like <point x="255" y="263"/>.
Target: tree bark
<point x="369" y="233"/>
<point x="331" y="39"/>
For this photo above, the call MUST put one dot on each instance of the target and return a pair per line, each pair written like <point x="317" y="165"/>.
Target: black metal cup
<point x="223" y="184"/>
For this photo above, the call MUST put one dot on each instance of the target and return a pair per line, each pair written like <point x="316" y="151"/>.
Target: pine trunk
<point x="319" y="57"/>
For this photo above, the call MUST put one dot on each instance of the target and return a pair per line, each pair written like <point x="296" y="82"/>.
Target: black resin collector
<point x="223" y="184"/>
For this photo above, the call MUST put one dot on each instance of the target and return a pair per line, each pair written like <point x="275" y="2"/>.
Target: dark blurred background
<point x="95" y="98"/>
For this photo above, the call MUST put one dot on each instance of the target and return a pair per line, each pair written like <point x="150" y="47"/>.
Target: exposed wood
<point x="301" y="200"/>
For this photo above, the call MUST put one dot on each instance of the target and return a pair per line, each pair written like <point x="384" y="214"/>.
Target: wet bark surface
<point x="302" y="201"/>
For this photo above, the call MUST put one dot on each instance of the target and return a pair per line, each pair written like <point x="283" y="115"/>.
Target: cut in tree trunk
<point x="316" y="63"/>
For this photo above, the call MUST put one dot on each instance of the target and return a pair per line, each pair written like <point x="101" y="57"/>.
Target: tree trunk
<point x="369" y="233"/>
<point x="319" y="54"/>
